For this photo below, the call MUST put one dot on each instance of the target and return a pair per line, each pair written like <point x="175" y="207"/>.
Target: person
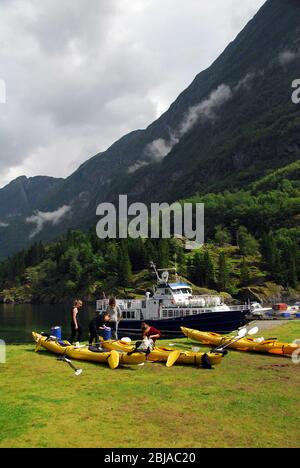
<point x="115" y="314"/>
<point x="150" y="335"/>
<point x="101" y="321"/>
<point x="75" y="324"/>
<point x="150" y="332"/>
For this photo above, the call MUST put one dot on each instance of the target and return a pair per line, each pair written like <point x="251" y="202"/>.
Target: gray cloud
<point x="81" y="74"/>
<point x="205" y="110"/>
<point x="288" y="56"/>
<point x="41" y="218"/>
<point x="138" y="165"/>
<point x="159" y="149"/>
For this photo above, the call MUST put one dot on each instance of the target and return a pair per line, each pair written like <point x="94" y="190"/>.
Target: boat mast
<point x="160" y="279"/>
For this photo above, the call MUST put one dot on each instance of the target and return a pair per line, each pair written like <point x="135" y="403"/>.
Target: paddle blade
<point x="253" y="331"/>
<point x="114" y="360"/>
<point x="242" y="332"/>
<point x="78" y="372"/>
<point x="173" y="356"/>
<point x="38" y="346"/>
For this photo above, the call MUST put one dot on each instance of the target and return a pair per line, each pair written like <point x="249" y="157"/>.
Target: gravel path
<point x="269" y="324"/>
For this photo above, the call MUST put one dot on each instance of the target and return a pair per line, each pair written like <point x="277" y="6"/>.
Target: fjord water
<point x="17" y="321"/>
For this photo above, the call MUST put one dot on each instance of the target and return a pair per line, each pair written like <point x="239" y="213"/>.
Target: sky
<point x="76" y="75"/>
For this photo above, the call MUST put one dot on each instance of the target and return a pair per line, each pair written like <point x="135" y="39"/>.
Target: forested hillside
<point x="252" y="238"/>
<point x="228" y="129"/>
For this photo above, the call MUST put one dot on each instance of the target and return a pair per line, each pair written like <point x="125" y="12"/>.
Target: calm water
<point x="18" y="321"/>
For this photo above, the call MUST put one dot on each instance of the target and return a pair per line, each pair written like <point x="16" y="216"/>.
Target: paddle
<point x="242" y="333"/>
<point x="173" y="356"/>
<point x="114" y="360"/>
<point x="65" y="359"/>
<point x="38" y="345"/>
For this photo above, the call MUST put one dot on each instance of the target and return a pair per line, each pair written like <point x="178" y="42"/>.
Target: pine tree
<point x="223" y="275"/>
<point x="124" y="266"/>
<point x="272" y="257"/>
<point x="112" y="257"/>
<point x="245" y="273"/>
<point x="198" y="269"/>
<point x="138" y="254"/>
<point x="247" y="243"/>
<point x="163" y="253"/>
<point x="208" y="270"/>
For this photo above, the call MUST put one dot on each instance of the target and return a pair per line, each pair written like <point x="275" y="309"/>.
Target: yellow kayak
<point x="162" y="354"/>
<point x="272" y="346"/>
<point x="49" y="345"/>
<point x="84" y="353"/>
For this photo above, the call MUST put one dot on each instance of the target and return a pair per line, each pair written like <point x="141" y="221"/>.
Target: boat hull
<point x="219" y="322"/>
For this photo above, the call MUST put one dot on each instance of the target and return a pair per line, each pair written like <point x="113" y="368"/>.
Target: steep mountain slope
<point x="235" y="122"/>
<point x="23" y="195"/>
<point x="18" y="200"/>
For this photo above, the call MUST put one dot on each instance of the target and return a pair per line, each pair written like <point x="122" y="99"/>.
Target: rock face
<point x="269" y="293"/>
<point x="232" y="125"/>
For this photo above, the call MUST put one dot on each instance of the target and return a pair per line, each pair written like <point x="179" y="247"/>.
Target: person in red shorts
<point x="150" y="332"/>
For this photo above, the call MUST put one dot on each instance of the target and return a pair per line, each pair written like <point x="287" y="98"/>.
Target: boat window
<point x="166" y="291"/>
<point x="170" y="313"/>
<point x="143" y="304"/>
<point x="165" y="314"/>
<point x="128" y="314"/>
<point x="177" y="313"/>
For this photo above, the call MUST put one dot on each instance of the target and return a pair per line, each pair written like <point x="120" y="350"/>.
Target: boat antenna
<point x="175" y="262"/>
<point x="152" y="265"/>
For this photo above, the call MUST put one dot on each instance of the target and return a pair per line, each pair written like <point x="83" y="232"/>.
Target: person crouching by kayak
<point x="115" y="314"/>
<point x="101" y="321"/>
<point x="150" y="335"/>
<point x="76" y="333"/>
<point x="150" y="332"/>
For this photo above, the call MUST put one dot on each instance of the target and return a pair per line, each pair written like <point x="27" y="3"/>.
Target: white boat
<point x="172" y="305"/>
<point x="258" y="312"/>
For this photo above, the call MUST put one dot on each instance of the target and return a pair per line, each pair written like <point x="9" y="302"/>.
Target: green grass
<point x="249" y="400"/>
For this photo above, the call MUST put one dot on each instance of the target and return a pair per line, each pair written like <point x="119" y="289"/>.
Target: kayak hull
<point x="272" y="346"/>
<point x="84" y="354"/>
<point x="161" y="354"/>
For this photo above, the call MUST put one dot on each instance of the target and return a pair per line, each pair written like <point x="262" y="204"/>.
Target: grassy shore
<point x="249" y="400"/>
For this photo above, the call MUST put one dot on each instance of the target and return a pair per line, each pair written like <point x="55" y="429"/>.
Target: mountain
<point x="23" y="195"/>
<point x="233" y="125"/>
<point x="18" y="200"/>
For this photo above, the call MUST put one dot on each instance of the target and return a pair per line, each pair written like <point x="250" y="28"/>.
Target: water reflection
<point x="18" y="321"/>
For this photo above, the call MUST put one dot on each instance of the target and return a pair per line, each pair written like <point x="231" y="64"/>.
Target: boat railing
<point x="124" y="304"/>
<point x="234" y="308"/>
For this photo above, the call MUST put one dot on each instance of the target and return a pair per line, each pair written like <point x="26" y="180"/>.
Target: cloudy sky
<point x="79" y="74"/>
